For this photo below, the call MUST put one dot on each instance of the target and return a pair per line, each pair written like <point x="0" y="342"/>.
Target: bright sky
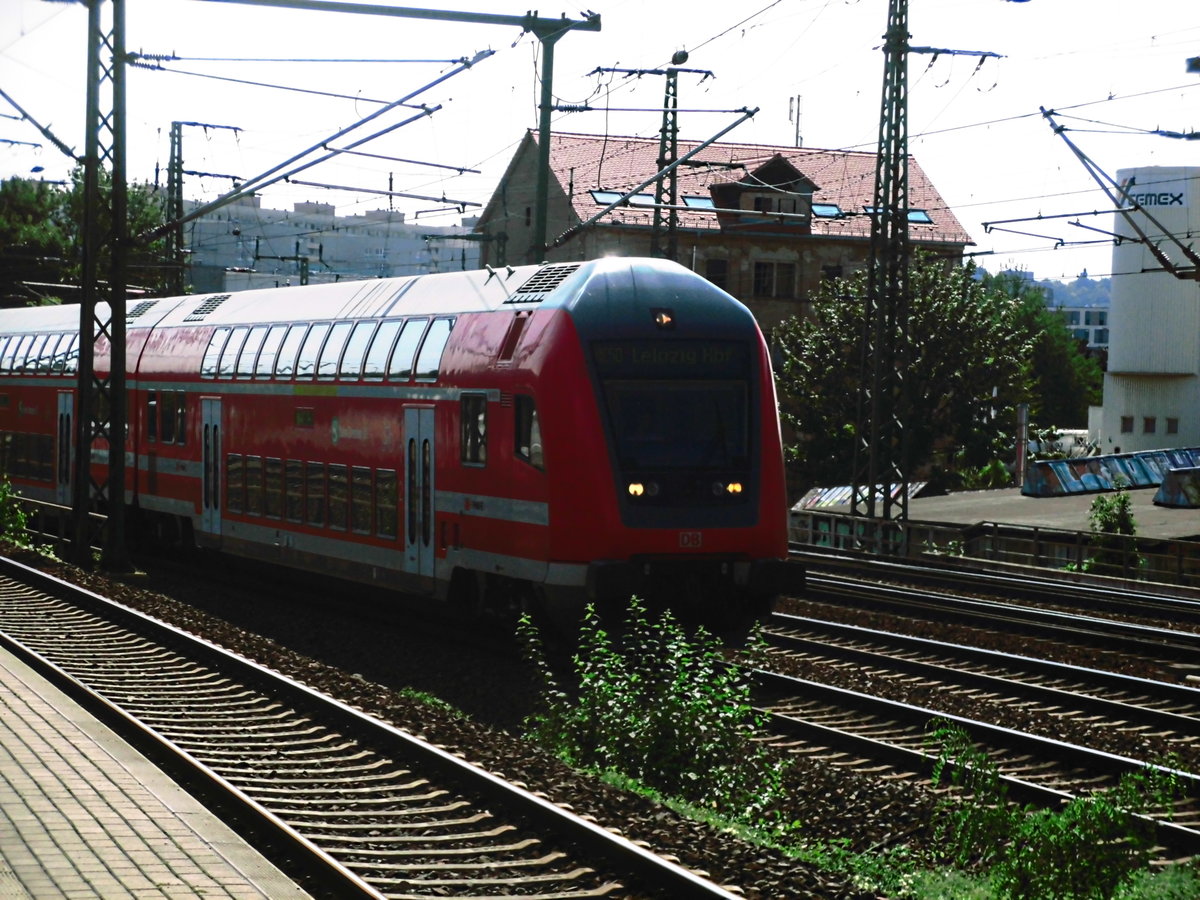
<point x="1114" y="70"/>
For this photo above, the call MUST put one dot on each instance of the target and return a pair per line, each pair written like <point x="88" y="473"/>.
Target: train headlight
<point x="734" y="487"/>
<point x="731" y="487"/>
<point x="643" y="489"/>
<point x="636" y="489"/>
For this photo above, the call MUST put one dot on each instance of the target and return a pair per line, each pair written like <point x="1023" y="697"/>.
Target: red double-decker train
<point x="544" y="433"/>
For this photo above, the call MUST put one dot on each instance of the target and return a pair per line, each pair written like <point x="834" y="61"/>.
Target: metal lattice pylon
<point x="880" y="482"/>
<point x="100" y="407"/>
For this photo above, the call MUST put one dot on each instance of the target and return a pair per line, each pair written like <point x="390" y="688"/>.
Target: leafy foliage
<point x="963" y="381"/>
<point x="41" y="232"/>
<point x="659" y="707"/>
<point x="1087" y="850"/>
<point x="1064" y="379"/>
<point x="1114" y="550"/>
<point x="12" y="515"/>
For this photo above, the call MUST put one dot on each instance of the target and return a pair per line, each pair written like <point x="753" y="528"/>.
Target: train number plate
<point x="690" y="540"/>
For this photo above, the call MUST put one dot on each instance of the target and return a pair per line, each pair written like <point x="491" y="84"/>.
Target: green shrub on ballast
<point x="1089" y="849"/>
<point x="662" y="708"/>
<point x="13" y="519"/>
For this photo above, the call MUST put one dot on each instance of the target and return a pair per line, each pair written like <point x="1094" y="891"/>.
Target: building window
<point x="1073" y="317"/>
<point x="1095" y="317"/>
<point x="717" y="271"/>
<point x="1172" y="425"/>
<point x="775" y="280"/>
<point x="1101" y="336"/>
<point x="1149" y="425"/>
<point x="1126" y="424"/>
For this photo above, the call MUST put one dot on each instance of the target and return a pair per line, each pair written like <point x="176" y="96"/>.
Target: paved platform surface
<point x="84" y="815"/>
<point x="1010" y="506"/>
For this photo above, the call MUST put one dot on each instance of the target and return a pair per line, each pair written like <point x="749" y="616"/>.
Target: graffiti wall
<point x="1058" y="477"/>
<point x="1181" y="487"/>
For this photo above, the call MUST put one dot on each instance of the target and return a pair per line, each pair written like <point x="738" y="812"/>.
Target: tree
<point x="1064" y="380"/>
<point x="41" y="227"/>
<point x="964" y="378"/>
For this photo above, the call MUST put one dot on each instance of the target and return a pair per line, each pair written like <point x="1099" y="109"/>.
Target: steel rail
<point x="619" y="853"/>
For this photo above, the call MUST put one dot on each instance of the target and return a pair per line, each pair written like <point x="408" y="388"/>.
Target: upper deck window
<point x="285" y="363"/>
<point x="375" y="363"/>
<point x="429" y="359"/>
<point x="401" y="367"/>
<point x="212" y="356"/>
<point x="331" y="353"/>
<point x="270" y="349"/>
<point x="356" y="348"/>
<point x="306" y="362"/>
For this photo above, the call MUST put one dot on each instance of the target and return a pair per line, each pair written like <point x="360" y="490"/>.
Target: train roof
<point x="602" y="288"/>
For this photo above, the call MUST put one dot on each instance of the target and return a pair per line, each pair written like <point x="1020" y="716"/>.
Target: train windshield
<point x="679" y="424"/>
<point x="680" y="404"/>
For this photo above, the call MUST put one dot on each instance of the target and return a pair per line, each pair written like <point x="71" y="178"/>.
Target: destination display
<point x="671" y="359"/>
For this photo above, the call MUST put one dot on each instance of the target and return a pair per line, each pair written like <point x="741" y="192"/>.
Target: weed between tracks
<point x="658" y="711"/>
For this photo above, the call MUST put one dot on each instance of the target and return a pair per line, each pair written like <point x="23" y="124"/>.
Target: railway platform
<point x="84" y="815"/>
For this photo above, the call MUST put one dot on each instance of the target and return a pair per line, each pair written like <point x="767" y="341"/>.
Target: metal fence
<point x="1122" y="556"/>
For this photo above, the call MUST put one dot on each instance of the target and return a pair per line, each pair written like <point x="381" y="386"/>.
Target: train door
<point x="210" y="474"/>
<point x="64" y="450"/>
<point x="418" y="490"/>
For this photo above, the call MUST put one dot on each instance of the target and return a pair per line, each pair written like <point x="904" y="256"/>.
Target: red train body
<point x="565" y="431"/>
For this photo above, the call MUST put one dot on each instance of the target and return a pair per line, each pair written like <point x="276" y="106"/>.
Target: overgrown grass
<point x="659" y="712"/>
<point x="663" y="709"/>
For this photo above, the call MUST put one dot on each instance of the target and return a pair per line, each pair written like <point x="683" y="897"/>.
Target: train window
<point x="429" y="359"/>
<point x="208" y="368"/>
<point x="386" y="502"/>
<point x="375" y="363"/>
<point x="528" y="443"/>
<point x="34" y="361"/>
<point x="68" y="357"/>
<point x="273" y="482"/>
<point x="406" y="348"/>
<point x="314" y="479"/>
<point x="293" y="498"/>
<point x="249" y="353"/>
<point x="356" y="349"/>
<point x="50" y="352"/>
<point x="4" y="342"/>
<point x="474" y="429"/>
<point x="18" y="361"/>
<point x="332" y="351"/>
<point x="229" y="355"/>
<point x="270" y="349"/>
<point x="360" y="500"/>
<point x="167" y="417"/>
<point x="410" y="491"/>
<point x="254" y="485"/>
<point x="235" y="483"/>
<point x="339" y="490"/>
<point x="152" y="415"/>
<point x="180" y="417"/>
<point x="285" y="364"/>
<point x="306" y="362"/>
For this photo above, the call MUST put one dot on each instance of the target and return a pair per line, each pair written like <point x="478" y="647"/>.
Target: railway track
<point x="890" y="739"/>
<point x="356" y="806"/>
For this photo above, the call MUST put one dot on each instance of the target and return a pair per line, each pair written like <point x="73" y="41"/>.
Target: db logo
<point x="690" y="540"/>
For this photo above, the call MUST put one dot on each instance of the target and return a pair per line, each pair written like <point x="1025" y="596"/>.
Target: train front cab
<point x="680" y="492"/>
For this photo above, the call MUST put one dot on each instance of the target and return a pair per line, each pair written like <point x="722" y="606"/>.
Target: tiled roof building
<point x="766" y="223"/>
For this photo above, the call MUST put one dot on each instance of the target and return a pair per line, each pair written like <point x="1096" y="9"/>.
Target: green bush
<point x="1087" y="850"/>
<point x="12" y="515"/>
<point x="661" y="708"/>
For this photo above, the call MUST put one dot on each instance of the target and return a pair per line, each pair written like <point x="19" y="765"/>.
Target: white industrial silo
<point x="1152" y="387"/>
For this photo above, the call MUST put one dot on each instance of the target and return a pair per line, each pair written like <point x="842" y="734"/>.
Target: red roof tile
<point x="582" y="163"/>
